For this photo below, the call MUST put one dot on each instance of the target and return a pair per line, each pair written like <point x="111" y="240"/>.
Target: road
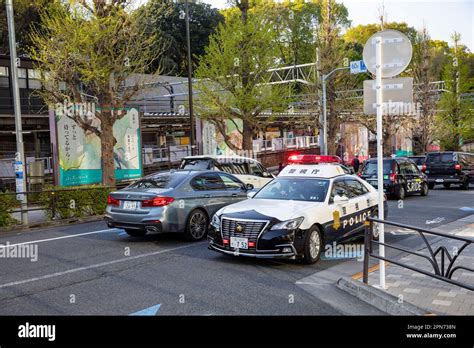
<point x="91" y="269"/>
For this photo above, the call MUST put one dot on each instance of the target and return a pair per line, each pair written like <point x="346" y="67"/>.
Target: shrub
<point x="74" y="202"/>
<point x="7" y="203"/>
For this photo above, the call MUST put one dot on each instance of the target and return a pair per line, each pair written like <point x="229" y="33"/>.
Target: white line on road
<point x="63" y="237"/>
<point x="84" y="268"/>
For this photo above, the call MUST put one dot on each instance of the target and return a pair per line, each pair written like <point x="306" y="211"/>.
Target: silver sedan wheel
<point x="314" y="244"/>
<point x="198" y="225"/>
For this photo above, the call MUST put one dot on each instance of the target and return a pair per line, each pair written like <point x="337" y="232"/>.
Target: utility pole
<point x="190" y="81"/>
<point x="20" y="154"/>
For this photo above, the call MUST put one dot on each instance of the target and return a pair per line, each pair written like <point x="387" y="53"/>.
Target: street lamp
<point x="190" y="79"/>
<point x="325" y="123"/>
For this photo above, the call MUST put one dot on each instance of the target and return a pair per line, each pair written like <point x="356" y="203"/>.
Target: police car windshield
<point x="297" y="189"/>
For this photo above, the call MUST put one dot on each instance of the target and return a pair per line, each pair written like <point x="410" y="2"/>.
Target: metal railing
<point x="443" y="268"/>
<point x="279" y="144"/>
<point x="152" y="155"/>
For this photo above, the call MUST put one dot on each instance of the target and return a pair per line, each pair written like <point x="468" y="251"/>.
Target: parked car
<point x="181" y="201"/>
<point x="419" y="161"/>
<point x="248" y="170"/>
<point x="448" y="168"/>
<point x="401" y="176"/>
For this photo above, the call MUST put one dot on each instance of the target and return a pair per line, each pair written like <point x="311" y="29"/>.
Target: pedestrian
<point x="355" y="163"/>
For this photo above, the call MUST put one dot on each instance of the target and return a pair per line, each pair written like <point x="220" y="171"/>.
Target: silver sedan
<point x="176" y="201"/>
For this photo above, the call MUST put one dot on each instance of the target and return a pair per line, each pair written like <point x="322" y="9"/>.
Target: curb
<point x="72" y="221"/>
<point x="379" y="299"/>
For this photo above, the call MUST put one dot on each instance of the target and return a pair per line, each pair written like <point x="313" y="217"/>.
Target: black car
<point x="419" y="160"/>
<point x="401" y="176"/>
<point x="450" y="167"/>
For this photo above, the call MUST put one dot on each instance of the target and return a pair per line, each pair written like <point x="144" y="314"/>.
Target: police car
<point x="295" y="215"/>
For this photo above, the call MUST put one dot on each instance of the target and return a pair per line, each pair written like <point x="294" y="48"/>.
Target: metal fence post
<point x="367" y="236"/>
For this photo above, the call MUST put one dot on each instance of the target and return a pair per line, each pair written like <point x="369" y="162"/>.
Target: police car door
<point x="360" y="204"/>
<point x="340" y="211"/>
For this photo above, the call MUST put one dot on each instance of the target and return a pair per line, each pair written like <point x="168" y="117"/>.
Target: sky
<point x="440" y="17"/>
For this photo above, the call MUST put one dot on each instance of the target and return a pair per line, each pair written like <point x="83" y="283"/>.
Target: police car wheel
<point x="431" y="186"/>
<point x="447" y="185"/>
<point x="312" y="246"/>
<point x="136" y="233"/>
<point x="196" y="227"/>
<point x="401" y="192"/>
<point x="375" y="230"/>
<point x="424" y="190"/>
<point x="465" y="184"/>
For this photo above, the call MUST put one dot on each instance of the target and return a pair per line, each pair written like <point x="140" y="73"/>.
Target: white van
<point x="246" y="169"/>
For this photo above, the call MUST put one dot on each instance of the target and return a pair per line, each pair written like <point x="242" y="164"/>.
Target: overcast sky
<point x="441" y="17"/>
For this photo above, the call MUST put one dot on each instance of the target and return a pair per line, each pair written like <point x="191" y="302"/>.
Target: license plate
<point x="239" y="243"/>
<point x="439" y="180"/>
<point x="130" y="205"/>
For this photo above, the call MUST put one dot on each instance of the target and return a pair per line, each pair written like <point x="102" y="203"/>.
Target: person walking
<point x="356" y="163"/>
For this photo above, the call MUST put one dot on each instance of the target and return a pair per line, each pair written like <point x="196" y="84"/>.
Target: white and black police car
<point x="295" y="215"/>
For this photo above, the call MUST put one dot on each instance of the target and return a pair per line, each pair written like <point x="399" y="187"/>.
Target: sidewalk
<point x="433" y="295"/>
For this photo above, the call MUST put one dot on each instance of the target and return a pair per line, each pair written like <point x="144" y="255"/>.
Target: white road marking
<point x="63" y="237"/>
<point x="84" y="268"/>
<point x="435" y="221"/>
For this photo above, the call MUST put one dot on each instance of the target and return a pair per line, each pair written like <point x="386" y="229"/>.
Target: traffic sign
<point x="358" y="66"/>
<point x="397" y="96"/>
<point x="396" y="52"/>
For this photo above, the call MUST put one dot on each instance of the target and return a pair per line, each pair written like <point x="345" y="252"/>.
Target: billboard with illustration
<point x="79" y="151"/>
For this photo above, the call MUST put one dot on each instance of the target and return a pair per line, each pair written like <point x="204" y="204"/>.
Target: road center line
<point x="84" y="268"/>
<point x="63" y="237"/>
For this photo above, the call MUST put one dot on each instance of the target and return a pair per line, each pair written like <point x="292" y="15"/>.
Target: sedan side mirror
<point x="341" y="199"/>
<point x="251" y="194"/>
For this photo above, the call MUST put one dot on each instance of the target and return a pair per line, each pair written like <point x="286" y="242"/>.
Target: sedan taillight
<point x="112" y="201"/>
<point x="157" y="202"/>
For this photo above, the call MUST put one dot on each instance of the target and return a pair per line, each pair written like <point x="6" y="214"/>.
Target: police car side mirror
<point x="248" y="187"/>
<point x="341" y="199"/>
<point x="251" y="194"/>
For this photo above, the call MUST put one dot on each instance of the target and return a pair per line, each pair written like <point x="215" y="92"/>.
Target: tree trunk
<point x="247" y="136"/>
<point x="107" y="142"/>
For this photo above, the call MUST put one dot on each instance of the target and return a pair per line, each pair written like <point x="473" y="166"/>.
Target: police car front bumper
<point x="272" y="244"/>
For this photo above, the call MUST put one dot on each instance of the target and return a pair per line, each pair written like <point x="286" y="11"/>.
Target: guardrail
<point x="443" y="269"/>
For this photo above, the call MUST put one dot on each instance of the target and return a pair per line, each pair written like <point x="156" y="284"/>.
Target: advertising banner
<point x="79" y="151"/>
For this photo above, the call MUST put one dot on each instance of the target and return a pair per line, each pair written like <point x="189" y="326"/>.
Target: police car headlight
<point x="216" y="222"/>
<point x="288" y="224"/>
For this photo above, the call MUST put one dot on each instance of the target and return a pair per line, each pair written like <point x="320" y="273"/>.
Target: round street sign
<point x="396" y="52"/>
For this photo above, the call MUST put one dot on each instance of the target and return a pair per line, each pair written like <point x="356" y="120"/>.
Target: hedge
<point x="74" y="202"/>
<point x="7" y="204"/>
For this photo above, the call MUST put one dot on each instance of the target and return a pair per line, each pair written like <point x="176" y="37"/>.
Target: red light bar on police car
<point x="313" y="159"/>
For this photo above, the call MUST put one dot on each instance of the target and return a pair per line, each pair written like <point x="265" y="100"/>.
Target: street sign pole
<point x="325" y="120"/>
<point x="20" y="155"/>
<point x="379" y="101"/>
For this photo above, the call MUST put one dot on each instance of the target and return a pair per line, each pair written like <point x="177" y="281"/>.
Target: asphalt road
<point x="91" y="269"/>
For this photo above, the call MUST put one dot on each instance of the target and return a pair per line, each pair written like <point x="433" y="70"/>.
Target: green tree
<point x="92" y="47"/>
<point x="423" y="71"/>
<point x="359" y="35"/>
<point x="166" y="20"/>
<point x="455" y="121"/>
<point x="332" y="50"/>
<point x="233" y="73"/>
<point x="27" y="14"/>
